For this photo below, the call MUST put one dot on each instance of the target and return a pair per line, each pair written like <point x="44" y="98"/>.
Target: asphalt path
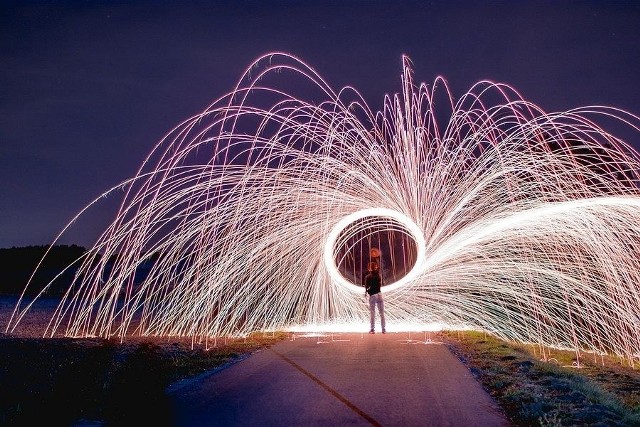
<point x="396" y="379"/>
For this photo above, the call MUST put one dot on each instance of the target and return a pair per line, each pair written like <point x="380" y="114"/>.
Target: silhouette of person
<point x="372" y="283"/>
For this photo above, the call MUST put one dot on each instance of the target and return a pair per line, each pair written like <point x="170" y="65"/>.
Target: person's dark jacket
<point x="372" y="282"/>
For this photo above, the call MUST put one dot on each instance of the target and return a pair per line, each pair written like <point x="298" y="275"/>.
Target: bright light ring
<point x="409" y="225"/>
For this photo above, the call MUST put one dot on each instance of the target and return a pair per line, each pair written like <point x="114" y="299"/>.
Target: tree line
<point x="19" y="263"/>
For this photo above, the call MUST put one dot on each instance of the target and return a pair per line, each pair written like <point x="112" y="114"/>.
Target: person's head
<point x="373" y="266"/>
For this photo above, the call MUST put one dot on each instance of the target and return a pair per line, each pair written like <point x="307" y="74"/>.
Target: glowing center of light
<point x="407" y="223"/>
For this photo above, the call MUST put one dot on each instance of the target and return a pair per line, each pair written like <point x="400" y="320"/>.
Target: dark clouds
<point x="89" y="87"/>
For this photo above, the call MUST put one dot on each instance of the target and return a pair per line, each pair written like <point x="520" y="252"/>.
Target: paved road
<point x="343" y="379"/>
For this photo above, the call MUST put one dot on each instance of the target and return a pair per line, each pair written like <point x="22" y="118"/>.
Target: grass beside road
<point x="602" y="391"/>
<point x="103" y="382"/>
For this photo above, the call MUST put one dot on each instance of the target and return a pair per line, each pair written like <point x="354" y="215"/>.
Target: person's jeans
<point x="376" y="300"/>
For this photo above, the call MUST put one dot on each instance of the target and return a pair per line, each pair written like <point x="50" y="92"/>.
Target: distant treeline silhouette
<point x="19" y="263"/>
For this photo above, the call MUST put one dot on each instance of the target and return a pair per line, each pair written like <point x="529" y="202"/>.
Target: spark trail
<point x="256" y="213"/>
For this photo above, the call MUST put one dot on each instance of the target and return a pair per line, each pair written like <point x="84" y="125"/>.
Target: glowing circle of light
<point x="414" y="231"/>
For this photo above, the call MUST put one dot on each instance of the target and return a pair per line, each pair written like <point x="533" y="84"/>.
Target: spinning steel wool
<point x="260" y="212"/>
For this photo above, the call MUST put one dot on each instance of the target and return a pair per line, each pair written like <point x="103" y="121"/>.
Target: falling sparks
<point x="522" y="223"/>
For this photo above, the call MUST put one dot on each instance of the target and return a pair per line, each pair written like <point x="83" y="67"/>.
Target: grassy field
<point x="568" y="389"/>
<point x="104" y="382"/>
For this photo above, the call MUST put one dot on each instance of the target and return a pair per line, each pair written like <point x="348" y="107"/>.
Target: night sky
<point x="88" y="88"/>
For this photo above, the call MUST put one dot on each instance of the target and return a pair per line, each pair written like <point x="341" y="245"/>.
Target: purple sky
<point x="88" y="88"/>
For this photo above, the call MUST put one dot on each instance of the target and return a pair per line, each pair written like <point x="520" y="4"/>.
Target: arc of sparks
<point x="525" y="223"/>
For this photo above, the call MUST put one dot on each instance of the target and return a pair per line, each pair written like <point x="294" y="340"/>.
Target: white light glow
<point x="357" y="327"/>
<point x="407" y="223"/>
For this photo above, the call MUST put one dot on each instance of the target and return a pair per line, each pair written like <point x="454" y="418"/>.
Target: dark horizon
<point x="90" y="88"/>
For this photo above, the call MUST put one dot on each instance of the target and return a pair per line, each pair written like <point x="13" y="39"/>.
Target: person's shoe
<point x="372" y="331"/>
<point x="384" y="331"/>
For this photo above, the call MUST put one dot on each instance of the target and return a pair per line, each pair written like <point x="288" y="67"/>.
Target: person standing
<point x="372" y="283"/>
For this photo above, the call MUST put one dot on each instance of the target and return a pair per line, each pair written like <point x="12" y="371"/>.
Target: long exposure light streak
<point x="256" y="215"/>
